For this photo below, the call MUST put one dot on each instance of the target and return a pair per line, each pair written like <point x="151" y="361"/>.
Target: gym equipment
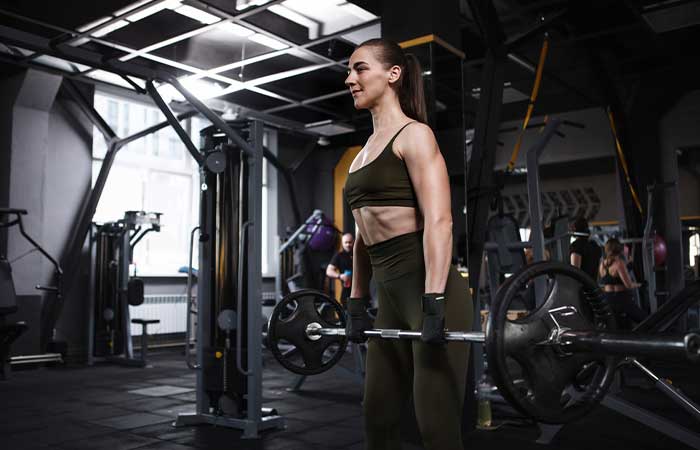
<point x="228" y="309"/>
<point x="534" y="359"/>
<point x="650" y="246"/>
<point x="113" y="290"/>
<point x="659" y="251"/>
<point x="295" y="267"/>
<point x="11" y="331"/>
<point x="324" y="237"/>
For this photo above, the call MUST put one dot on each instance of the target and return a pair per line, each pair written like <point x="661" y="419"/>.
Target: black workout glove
<point x="358" y="321"/>
<point x="433" y="319"/>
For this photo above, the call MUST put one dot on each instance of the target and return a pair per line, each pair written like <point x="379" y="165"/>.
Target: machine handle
<point x="188" y="332"/>
<point x="239" y="299"/>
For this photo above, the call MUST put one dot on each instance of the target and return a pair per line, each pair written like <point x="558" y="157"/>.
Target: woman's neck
<point x="386" y="114"/>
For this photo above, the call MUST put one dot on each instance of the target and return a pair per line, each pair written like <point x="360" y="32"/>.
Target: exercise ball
<point x="659" y="250"/>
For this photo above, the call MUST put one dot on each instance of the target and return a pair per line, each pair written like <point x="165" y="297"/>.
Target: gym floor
<point x="120" y="408"/>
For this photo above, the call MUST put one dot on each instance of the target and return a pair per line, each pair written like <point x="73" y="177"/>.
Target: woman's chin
<point x="359" y="104"/>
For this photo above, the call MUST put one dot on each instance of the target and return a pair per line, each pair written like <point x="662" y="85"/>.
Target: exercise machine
<point x="10" y="330"/>
<point x="113" y="289"/>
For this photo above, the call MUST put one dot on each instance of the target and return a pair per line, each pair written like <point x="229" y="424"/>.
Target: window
<point x="156" y="173"/>
<point x="694" y="249"/>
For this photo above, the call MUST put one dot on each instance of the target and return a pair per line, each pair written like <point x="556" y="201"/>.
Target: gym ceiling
<point x="286" y="58"/>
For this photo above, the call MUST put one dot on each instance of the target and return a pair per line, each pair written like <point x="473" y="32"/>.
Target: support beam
<point x="172" y="120"/>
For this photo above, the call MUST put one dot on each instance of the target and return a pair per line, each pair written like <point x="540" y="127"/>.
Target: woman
<point x="617" y="283"/>
<point x="399" y="193"/>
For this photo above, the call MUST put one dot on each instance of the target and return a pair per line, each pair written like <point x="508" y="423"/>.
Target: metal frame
<point x="63" y="43"/>
<point x="534" y="196"/>
<point x="256" y="419"/>
<point x="479" y="169"/>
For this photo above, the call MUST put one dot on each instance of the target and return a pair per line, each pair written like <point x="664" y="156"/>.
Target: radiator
<point x="171" y="310"/>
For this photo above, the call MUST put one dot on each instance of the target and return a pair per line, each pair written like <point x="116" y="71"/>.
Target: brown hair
<point x="410" y="85"/>
<point x="613" y="249"/>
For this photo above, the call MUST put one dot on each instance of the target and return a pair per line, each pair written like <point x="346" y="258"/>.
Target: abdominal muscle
<point x="380" y="223"/>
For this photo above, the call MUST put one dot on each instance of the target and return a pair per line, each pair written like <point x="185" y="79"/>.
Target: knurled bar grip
<point x="400" y="334"/>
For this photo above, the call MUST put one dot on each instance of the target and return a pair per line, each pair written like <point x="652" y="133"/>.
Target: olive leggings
<point x="435" y="375"/>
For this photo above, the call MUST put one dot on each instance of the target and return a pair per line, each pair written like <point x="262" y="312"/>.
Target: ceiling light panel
<point x="236" y="29"/>
<point x="332" y="15"/>
<point x="219" y="46"/>
<point x="197" y="14"/>
<point x="169" y="4"/>
<point x="156" y="29"/>
<point x="245" y="4"/>
<point x="131" y="7"/>
<point x="289" y="14"/>
<point x="110" y="28"/>
<point x="267" y="41"/>
<point x="93" y="24"/>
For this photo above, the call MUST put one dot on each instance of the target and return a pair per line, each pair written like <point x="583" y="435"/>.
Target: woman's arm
<point x="625" y="275"/>
<point x="576" y="260"/>
<point x="361" y="268"/>
<point x="426" y="167"/>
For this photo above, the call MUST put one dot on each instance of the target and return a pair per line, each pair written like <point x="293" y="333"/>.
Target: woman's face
<point x="368" y="79"/>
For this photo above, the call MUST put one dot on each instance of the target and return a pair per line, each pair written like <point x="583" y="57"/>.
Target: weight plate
<point x="287" y="338"/>
<point x="537" y="377"/>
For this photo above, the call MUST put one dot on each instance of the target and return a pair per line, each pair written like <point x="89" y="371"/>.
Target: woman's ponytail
<point x="411" y="91"/>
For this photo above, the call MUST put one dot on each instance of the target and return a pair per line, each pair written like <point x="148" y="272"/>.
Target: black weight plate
<point x="287" y="338"/>
<point x="538" y="379"/>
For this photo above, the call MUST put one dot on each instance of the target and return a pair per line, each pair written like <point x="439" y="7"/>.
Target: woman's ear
<point x="394" y="74"/>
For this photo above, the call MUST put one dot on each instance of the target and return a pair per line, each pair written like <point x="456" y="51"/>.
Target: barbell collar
<point x="626" y="344"/>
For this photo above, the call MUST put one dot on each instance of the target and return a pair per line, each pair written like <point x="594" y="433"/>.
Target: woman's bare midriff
<point x="380" y="223"/>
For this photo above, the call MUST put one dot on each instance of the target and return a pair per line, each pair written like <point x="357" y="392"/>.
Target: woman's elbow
<point x="443" y="222"/>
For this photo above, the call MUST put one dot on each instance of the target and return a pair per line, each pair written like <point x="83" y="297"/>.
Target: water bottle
<point x="348" y="280"/>
<point x="484" y="404"/>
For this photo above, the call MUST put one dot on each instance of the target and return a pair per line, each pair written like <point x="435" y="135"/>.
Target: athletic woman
<point x="617" y="283"/>
<point x="399" y="193"/>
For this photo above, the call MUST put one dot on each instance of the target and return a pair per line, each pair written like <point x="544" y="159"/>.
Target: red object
<point x="659" y="250"/>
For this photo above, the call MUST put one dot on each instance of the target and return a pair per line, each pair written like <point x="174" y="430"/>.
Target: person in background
<point x="585" y="253"/>
<point x="618" y="285"/>
<point x="340" y="267"/>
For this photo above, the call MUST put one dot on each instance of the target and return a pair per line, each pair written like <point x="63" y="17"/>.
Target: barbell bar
<point x="569" y="341"/>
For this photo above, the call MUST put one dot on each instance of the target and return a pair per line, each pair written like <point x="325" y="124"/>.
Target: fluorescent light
<point x="357" y="11"/>
<point x="112" y="78"/>
<point x="197" y="14"/>
<point x="130" y="7"/>
<point x="295" y="17"/>
<point x="287" y="74"/>
<point x="240" y="5"/>
<point x="93" y="24"/>
<point x="267" y="41"/>
<point x="111" y="27"/>
<point x="236" y="29"/>
<point x="169" y="93"/>
<point x="201" y="89"/>
<point x="152" y="10"/>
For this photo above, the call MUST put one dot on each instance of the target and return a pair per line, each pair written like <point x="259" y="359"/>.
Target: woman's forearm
<point x="361" y="269"/>
<point x="437" y="248"/>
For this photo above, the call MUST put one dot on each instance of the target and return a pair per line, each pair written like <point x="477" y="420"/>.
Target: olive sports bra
<point x="382" y="182"/>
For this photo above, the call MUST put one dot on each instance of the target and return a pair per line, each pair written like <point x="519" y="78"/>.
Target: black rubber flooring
<point x="119" y="408"/>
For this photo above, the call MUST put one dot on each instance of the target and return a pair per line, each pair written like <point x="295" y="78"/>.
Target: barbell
<point x="554" y="363"/>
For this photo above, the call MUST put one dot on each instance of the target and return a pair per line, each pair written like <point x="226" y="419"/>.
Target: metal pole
<point x="172" y="120"/>
<point x="254" y="278"/>
<point x="213" y="118"/>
